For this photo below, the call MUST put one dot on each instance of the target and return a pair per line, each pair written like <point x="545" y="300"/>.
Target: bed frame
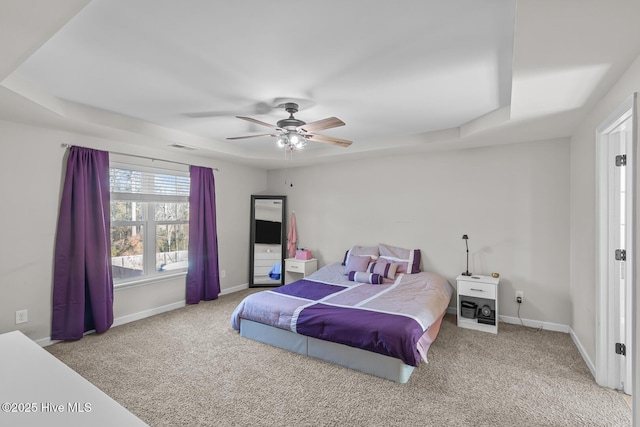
<point x="376" y="364"/>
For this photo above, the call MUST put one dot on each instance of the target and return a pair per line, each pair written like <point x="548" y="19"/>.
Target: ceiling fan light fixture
<point x="291" y="140"/>
<point x="297" y="141"/>
<point x="294" y="138"/>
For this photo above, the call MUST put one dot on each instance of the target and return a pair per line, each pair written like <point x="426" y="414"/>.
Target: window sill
<point x="148" y="280"/>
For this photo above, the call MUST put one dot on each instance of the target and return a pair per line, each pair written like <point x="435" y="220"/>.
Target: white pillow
<point x="408" y="259"/>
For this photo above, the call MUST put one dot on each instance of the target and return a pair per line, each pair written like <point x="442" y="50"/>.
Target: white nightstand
<point x="295" y="269"/>
<point x="483" y="292"/>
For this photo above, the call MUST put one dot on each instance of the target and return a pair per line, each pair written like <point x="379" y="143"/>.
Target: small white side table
<point x="295" y="269"/>
<point x="482" y="291"/>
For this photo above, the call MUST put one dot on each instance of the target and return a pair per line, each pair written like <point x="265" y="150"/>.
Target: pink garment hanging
<point x="292" y="237"/>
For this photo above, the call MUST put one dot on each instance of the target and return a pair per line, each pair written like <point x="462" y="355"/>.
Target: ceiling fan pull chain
<point x="291" y="180"/>
<point x="285" y="165"/>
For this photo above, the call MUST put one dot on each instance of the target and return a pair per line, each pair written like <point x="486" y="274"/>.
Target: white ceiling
<point x="399" y="74"/>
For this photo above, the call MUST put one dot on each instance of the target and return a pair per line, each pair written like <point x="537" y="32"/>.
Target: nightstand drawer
<point x="477" y="289"/>
<point x="295" y="266"/>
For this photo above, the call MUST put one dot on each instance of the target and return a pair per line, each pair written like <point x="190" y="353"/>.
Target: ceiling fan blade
<point x="251" y="136"/>
<point x="329" y="140"/>
<point x="331" y="122"/>
<point x="258" y="122"/>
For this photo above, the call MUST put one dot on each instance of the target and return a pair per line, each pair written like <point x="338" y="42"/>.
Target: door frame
<point x="607" y="362"/>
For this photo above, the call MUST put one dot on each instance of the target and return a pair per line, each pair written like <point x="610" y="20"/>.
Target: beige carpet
<point x="189" y="368"/>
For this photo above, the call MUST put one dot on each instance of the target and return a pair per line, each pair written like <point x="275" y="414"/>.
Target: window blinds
<point x="146" y="185"/>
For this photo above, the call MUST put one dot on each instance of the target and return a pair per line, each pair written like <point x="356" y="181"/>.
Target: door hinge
<point x="621" y="160"/>
<point x="621" y="255"/>
<point x="621" y="349"/>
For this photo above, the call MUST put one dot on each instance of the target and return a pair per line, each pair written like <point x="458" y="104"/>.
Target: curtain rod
<point x="138" y="156"/>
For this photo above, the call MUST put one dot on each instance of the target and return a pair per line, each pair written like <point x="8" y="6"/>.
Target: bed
<point x="383" y="328"/>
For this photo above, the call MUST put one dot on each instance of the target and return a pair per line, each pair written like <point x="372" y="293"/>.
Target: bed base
<point x="365" y="361"/>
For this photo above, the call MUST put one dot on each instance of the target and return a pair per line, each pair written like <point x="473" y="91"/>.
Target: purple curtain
<point x="82" y="278"/>
<point x="203" y="280"/>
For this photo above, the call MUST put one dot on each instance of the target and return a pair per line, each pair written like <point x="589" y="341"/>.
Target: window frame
<point x="149" y="225"/>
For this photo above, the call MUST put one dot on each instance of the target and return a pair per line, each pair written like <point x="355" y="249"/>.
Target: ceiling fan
<point x="293" y="134"/>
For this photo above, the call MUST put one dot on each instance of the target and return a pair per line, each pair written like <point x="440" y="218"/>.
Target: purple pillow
<point x="371" y="278"/>
<point x="384" y="268"/>
<point x="371" y="251"/>
<point x="357" y="263"/>
<point x="408" y="259"/>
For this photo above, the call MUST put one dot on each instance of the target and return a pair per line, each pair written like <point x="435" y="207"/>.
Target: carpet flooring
<point x="188" y="367"/>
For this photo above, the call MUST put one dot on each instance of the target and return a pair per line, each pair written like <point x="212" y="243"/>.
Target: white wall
<point x="512" y="201"/>
<point x="583" y="209"/>
<point x="31" y="176"/>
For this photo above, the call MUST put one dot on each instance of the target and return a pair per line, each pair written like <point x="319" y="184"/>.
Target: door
<point x="620" y="317"/>
<point x="616" y="237"/>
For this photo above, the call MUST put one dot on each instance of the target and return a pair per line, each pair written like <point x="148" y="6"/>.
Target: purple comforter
<point x="388" y="319"/>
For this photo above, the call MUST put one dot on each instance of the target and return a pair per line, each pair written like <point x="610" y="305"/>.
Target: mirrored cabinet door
<point x="268" y="240"/>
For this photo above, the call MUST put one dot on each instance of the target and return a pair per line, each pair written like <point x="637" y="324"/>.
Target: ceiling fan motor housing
<point x="290" y="123"/>
<point x="290" y="107"/>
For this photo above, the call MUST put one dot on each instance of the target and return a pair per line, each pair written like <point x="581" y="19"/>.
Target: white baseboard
<point x="147" y="313"/>
<point x="152" y="312"/>
<point x="549" y="326"/>
<point x="583" y="352"/>
<point x="234" y="289"/>
<point x="44" y="342"/>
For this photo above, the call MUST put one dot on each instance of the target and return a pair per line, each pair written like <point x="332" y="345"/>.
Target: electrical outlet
<point x="222" y="273"/>
<point x="519" y="297"/>
<point x="22" y="316"/>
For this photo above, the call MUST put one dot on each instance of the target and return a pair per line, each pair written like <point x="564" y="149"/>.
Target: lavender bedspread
<point x="388" y="319"/>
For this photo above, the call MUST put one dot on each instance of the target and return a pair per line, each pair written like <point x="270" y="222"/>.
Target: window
<point x="149" y="222"/>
